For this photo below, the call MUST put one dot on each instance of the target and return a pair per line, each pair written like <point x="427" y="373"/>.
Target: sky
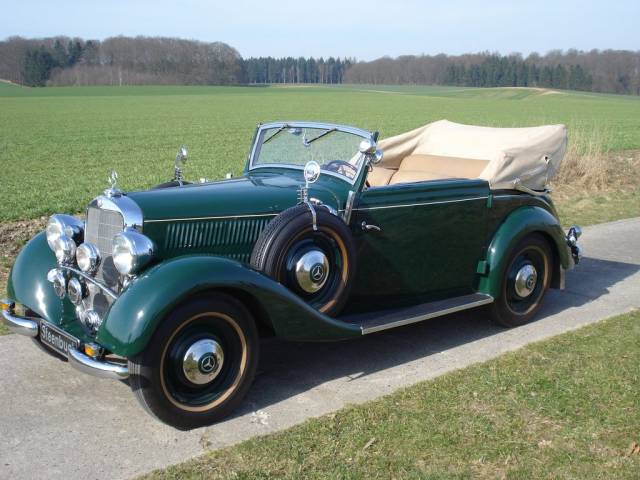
<point x="361" y="29"/>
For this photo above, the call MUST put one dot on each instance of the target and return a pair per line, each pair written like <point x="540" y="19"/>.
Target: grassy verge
<point x="563" y="408"/>
<point x="590" y="208"/>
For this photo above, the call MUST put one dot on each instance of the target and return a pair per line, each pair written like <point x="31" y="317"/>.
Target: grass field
<point x="564" y="408"/>
<point x="58" y="144"/>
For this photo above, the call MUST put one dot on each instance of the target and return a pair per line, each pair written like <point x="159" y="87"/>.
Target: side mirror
<point x="181" y="159"/>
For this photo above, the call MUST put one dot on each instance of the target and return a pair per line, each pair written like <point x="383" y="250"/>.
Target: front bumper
<point x="29" y="327"/>
<point x="17" y="324"/>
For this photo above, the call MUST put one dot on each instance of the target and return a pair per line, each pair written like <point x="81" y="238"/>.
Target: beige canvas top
<point x="505" y="157"/>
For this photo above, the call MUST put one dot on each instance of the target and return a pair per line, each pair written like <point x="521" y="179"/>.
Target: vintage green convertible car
<point x="322" y="238"/>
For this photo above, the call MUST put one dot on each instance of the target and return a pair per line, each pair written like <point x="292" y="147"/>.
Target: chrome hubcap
<point x="312" y="271"/>
<point x="526" y="280"/>
<point x="203" y="361"/>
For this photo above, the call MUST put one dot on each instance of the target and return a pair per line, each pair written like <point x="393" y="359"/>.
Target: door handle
<point x="370" y="228"/>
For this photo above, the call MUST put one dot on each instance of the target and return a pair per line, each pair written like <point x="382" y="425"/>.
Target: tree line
<point x="172" y="61"/>
<point x="496" y="71"/>
<point x="296" y="70"/>
<point x="613" y="71"/>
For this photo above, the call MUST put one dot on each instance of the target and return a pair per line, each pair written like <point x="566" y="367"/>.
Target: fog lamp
<point x="76" y="290"/>
<point x="59" y="281"/>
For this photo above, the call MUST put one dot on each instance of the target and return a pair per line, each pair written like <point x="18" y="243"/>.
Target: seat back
<point x="423" y="167"/>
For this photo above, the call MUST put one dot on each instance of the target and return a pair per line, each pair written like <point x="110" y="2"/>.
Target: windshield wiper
<point x="323" y="134"/>
<point x="276" y="133"/>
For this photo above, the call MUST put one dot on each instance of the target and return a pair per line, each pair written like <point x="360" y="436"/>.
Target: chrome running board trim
<point x="370" y="323"/>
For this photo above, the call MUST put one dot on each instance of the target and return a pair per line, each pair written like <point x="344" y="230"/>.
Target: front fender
<point x="28" y="284"/>
<point x="520" y="223"/>
<point x="138" y="311"/>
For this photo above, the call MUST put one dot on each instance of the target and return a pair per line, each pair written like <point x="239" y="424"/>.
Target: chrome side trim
<point x="419" y="204"/>
<point x="406" y="321"/>
<point x="221" y="217"/>
<point x="348" y="207"/>
<point x="90" y="279"/>
<point x="97" y="368"/>
<point x="20" y="325"/>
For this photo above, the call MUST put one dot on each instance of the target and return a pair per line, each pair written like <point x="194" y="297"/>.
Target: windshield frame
<point x="364" y="134"/>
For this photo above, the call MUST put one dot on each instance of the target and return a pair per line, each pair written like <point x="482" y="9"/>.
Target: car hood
<point x="265" y="193"/>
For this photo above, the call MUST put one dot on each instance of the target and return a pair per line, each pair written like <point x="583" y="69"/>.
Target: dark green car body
<point x="437" y="240"/>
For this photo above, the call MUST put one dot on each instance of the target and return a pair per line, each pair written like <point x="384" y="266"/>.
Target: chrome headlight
<point x="64" y="248"/>
<point x="88" y="257"/>
<point x="60" y="225"/>
<point x="132" y="251"/>
<point x="76" y="291"/>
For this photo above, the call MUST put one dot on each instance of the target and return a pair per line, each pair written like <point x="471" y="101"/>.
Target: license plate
<point x="56" y="339"/>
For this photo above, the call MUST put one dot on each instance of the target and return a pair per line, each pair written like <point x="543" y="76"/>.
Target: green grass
<point x="58" y="144"/>
<point x="565" y="408"/>
<point x="599" y="207"/>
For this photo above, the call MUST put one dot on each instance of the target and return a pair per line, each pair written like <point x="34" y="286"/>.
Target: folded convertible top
<point x="512" y="157"/>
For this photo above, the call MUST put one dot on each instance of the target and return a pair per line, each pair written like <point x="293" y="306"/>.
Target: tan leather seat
<point x="421" y="168"/>
<point x="380" y="176"/>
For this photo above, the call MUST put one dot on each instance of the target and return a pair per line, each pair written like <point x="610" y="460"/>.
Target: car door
<point x="418" y="241"/>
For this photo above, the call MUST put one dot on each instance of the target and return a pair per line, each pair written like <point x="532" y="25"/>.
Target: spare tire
<point x="318" y="265"/>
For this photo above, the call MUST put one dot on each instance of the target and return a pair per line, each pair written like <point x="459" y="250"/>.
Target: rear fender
<point x="135" y="315"/>
<point x="519" y="224"/>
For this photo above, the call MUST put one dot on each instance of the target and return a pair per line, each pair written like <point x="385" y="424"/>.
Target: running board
<point x="375" y="322"/>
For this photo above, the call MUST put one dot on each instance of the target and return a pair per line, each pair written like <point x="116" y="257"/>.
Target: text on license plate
<point x="54" y="338"/>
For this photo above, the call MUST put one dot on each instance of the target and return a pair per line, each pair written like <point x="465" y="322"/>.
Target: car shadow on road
<point x="290" y="368"/>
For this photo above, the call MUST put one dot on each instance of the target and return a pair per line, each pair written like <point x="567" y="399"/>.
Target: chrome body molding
<point x="97" y="368"/>
<point x="219" y="217"/>
<point x="90" y="279"/>
<point x="403" y="205"/>
<point x="131" y="212"/>
<point x="348" y="207"/>
<point x="20" y="325"/>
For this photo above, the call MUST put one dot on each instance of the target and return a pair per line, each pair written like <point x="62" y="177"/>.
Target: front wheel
<point x="525" y="281"/>
<point x="199" y="364"/>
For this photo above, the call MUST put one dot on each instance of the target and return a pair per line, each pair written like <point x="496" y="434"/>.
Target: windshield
<point x="336" y="151"/>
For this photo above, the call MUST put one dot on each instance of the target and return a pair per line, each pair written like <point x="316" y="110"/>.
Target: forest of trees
<point x="172" y="61"/>
<point x="613" y="71"/>
<point x="296" y="70"/>
<point x="119" y="61"/>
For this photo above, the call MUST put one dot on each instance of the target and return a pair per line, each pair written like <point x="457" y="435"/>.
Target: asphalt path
<point x="56" y="422"/>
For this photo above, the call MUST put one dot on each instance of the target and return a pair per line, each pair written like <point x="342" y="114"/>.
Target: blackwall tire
<point x="289" y="246"/>
<point x="202" y="396"/>
<point x="525" y="281"/>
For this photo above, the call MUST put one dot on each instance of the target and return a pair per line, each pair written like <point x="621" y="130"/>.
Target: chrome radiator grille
<point x="101" y="227"/>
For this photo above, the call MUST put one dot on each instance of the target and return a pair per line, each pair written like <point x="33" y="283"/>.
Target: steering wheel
<point x="339" y="166"/>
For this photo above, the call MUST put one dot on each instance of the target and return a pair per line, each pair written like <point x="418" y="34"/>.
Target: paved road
<point x="58" y="423"/>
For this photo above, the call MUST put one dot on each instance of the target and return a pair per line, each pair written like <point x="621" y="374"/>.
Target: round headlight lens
<point x="76" y="291"/>
<point x="55" y="229"/>
<point x="132" y="251"/>
<point x="64" y="248"/>
<point x="88" y="257"/>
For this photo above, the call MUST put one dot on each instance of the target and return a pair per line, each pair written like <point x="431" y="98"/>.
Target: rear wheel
<point x="199" y="364"/>
<point x="524" y="282"/>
